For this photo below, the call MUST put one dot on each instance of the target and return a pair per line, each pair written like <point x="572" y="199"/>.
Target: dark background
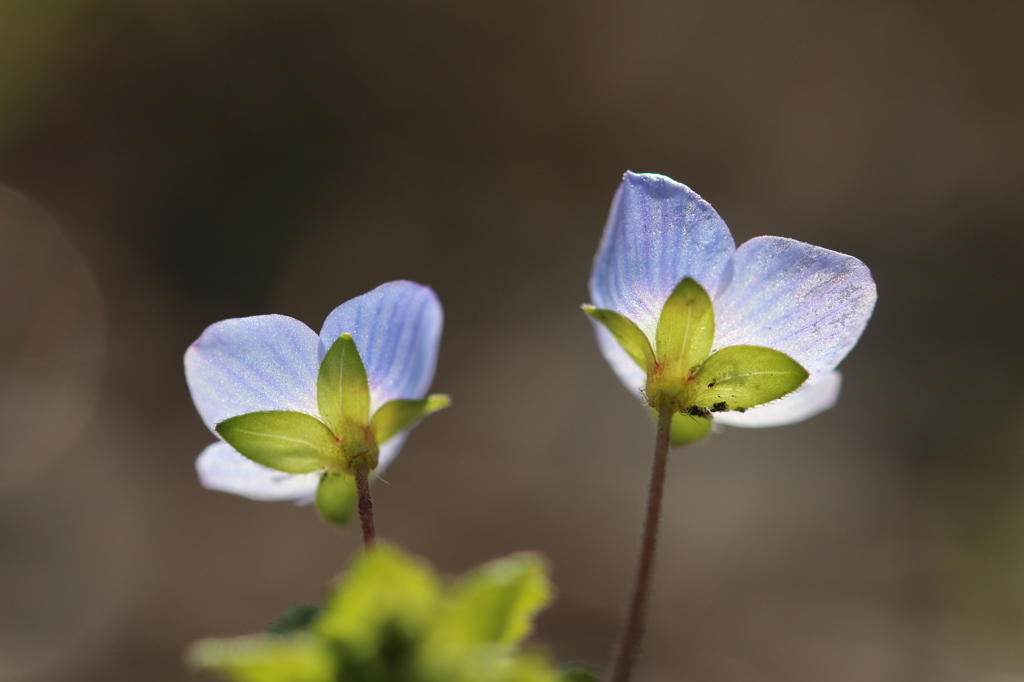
<point x="204" y="160"/>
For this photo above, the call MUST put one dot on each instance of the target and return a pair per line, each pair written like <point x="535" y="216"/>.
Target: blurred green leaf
<point x="336" y="497"/>
<point x="526" y="667"/>
<point x="740" y="377"/>
<point x="299" y="657"/>
<point x="287" y="441"/>
<point x="388" y="620"/>
<point x="686" y="329"/>
<point x="627" y="333"/>
<point x="497" y="602"/>
<point x="397" y="415"/>
<point x="383" y="589"/>
<point x="577" y="672"/>
<point x="296" y="617"/>
<point x="342" y="390"/>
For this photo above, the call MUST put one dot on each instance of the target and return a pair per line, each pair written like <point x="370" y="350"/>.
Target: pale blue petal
<point x="629" y="373"/>
<point x="397" y="329"/>
<point x="221" y="468"/>
<point x="389" y="450"/>
<point x="658" y="232"/>
<point x="252" y="364"/>
<point x="808" y="302"/>
<point x="818" y="394"/>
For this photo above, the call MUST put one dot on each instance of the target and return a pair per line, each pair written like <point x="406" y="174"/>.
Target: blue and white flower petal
<point x="253" y="364"/>
<point x="806" y="301"/>
<point x="658" y="232"/>
<point x="397" y="330"/>
<point x="271" y="362"/>
<point x="630" y="374"/>
<point x="220" y="467"/>
<point x="389" y="450"/>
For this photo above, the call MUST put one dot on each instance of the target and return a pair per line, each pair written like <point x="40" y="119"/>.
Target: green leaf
<point x="739" y="377"/>
<point x="296" y="617"/>
<point x="336" y="497"/>
<point x="384" y="595"/>
<point x="483" y="617"/>
<point x="529" y="666"/>
<point x="578" y="672"/>
<point x="287" y="441"/>
<point x="299" y="657"/>
<point x="688" y="429"/>
<point x="389" y="621"/>
<point x="497" y="603"/>
<point x="686" y="329"/>
<point x="627" y="333"/>
<point x="397" y="415"/>
<point x="342" y="390"/>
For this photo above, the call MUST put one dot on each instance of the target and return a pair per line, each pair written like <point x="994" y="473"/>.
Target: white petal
<point x="658" y="232"/>
<point x="389" y="450"/>
<point x="806" y="301"/>
<point x="818" y="394"/>
<point x="221" y="468"/>
<point x="252" y="364"/>
<point x="629" y="373"/>
<point x="397" y="329"/>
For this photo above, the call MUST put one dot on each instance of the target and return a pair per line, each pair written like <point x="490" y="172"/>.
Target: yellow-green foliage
<point x="390" y="619"/>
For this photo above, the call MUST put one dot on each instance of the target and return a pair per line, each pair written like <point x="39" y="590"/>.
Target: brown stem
<point x="365" y="506"/>
<point x="628" y="646"/>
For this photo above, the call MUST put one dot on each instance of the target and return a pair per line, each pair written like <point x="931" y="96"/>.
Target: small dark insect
<point x="713" y="382"/>
<point x="696" y="411"/>
<point x="720" y="407"/>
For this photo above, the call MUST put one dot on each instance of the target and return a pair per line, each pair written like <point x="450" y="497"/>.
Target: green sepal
<point x="336" y="498"/>
<point x="627" y="333"/>
<point x="342" y="390"/>
<point x="686" y="330"/>
<point x="297" y="617"/>
<point x="385" y="594"/>
<point x="292" y="442"/>
<point x="296" y="657"/>
<point x="688" y="429"/>
<point x="740" y="377"/>
<point x="395" y="416"/>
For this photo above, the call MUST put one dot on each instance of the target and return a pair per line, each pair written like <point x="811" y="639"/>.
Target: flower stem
<point x="365" y="506"/>
<point x="628" y="646"/>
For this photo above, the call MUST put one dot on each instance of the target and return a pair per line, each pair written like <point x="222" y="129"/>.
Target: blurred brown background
<point x="208" y="159"/>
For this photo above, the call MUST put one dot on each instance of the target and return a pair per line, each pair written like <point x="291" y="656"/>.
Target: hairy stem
<point x="628" y="646"/>
<point x="365" y="506"/>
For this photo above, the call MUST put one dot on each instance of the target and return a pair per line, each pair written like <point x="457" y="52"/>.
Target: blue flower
<point x="806" y="302"/>
<point x="274" y="365"/>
